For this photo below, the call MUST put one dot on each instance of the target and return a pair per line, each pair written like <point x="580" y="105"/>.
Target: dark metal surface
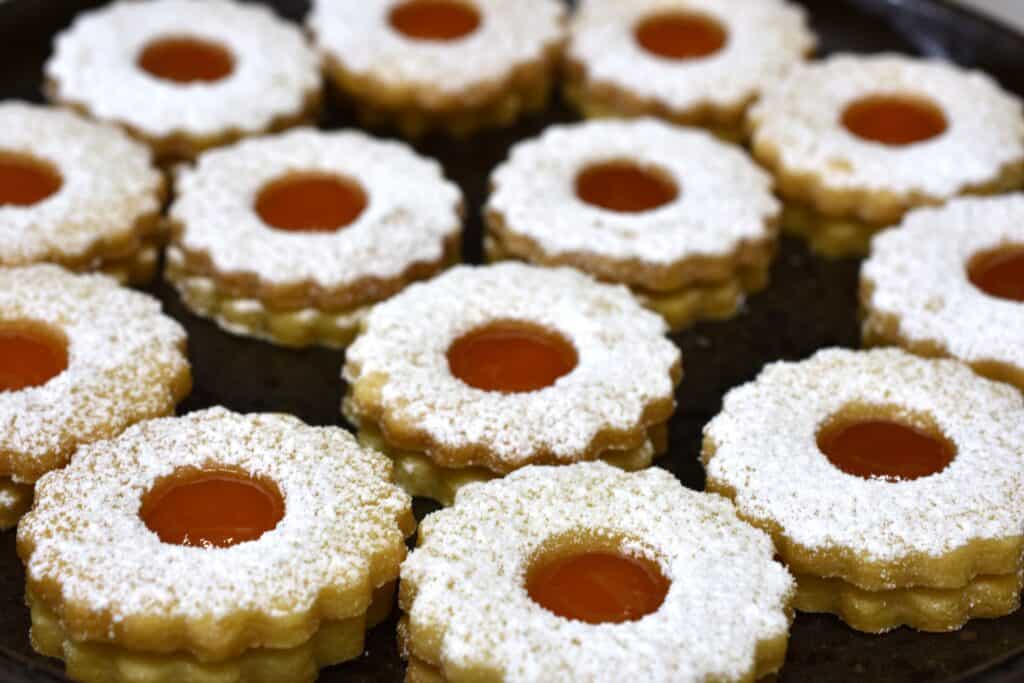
<point x="809" y="305"/>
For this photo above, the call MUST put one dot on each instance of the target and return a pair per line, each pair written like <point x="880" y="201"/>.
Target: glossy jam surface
<point x="624" y="187"/>
<point x="895" y="121"/>
<point x="1000" y="273"/>
<point x="598" y="587"/>
<point x="879" y="448"/>
<point x="186" y="60"/>
<point x="681" y="36"/>
<point x="217" y="508"/>
<point x="30" y="358"/>
<point x="511" y="358"/>
<point x="24" y="181"/>
<point x="311" y="203"/>
<point x="434" y="19"/>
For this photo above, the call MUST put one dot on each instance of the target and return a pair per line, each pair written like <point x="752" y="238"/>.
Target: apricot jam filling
<point x="30" y="357"/>
<point x="625" y="187"/>
<point x="894" y="120"/>
<point x="884" y="449"/>
<point x="25" y="181"/>
<point x="678" y="35"/>
<point x="999" y="273"/>
<point x="311" y="202"/>
<point x="211" y="508"/>
<point x="598" y="587"/>
<point x="511" y="357"/>
<point x="437" y="20"/>
<point x="186" y="60"/>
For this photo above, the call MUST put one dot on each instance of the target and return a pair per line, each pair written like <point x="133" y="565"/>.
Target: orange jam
<point x="311" y="202"/>
<point x="878" y="448"/>
<point x="434" y="19"/>
<point x="894" y="120"/>
<point x="25" y="181"/>
<point x="30" y="359"/>
<point x="219" y="508"/>
<point x="999" y="273"/>
<point x="511" y="358"/>
<point x="186" y="60"/>
<point x="624" y="187"/>
<point x="598" y="587"/>
<point x="680" y="36"/>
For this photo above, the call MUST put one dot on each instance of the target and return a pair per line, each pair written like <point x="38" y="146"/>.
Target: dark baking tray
<point x="810" y="304"/>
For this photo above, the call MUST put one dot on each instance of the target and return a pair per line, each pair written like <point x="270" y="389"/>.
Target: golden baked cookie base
<point x="15" y="500"/>
<point x="826" y="235"/>
<point x="925" y="609"/>
<point x="334" y="642"/>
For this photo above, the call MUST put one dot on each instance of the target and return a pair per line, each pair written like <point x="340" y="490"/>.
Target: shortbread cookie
<point x="292" y="238"/>
<point x="186" y="75"/>
<point x="888" y="479"/>
<point x="569" y="573"/>
<point x="694" y="62"/>
<point x="688" y="222"/>
<point x="136" y="570"/>
<point x="950" y="282"/>
<point x="450" y="65"/>
<point x="512" y="365"/>
<point x="81" y="359"/>
<point x="856" y="141"/>
<point x="77" y="193"/>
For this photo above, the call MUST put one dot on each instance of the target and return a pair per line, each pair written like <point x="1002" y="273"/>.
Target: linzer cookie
<point x="857" y="141"/>
<point x="890" y="483"/>
<point x="450" y="65"/>
<point x="688" y="222"/>
<point x="950" y="282"/>
<point x="570" y="573"/>
<point x="186" y="75"/>
<point x="81" y="359"/>
<point x="484" y="370"/>
<point x="694" y="62"/>
<point x="292" y="238"/>
<point x="77" y="193"/>
<point x="213" y="547"/>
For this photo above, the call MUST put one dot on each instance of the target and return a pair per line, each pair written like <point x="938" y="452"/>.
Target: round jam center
<point x="511" y="358"/>
<point x="311" y="203"/>
<point x="681" y="36"/>
<point x="434" y="19"/>
<point x="894" y="121"/>
<point x="211" y="508"/>
<point x="186" y="60"/>
<point x="877" y="448"/>
<point x="1000" y="273"/>
<point x="29" y="359"/>
<point x="24" y="181"/>
<point x="598" y="587"/>
<point x="624" y="187"/>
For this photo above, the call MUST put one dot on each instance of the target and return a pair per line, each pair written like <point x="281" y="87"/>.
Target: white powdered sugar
<point x="95" y="66"/>
<point x="360" y="38"/>
<point x="724" y="199"/>
<point x="126" y="362"/>
<point x="412" y="212"/>
<point x="465" y="583"/>
<point x="764" y="38"/>
<point x="625" y="363"/>
<point x="764" y="446"/>
<point x="108" y="184"/>
<point x="918" y="273"/>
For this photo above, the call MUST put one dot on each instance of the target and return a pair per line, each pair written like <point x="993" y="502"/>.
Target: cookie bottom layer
<point x="827" y="235"/>
<point x="15" y="500"/>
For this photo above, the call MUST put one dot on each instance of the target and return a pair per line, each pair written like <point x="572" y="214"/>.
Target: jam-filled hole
<point x="25" y="180"/>
<point x="211" y="507"/>
<point x="999" y="272"/>
<point x="311" y="202"/>
<point x="625" y="187"/>
<point x="894" y="120"/>
<point x="680" y="35"/>
<point x="31" y="354"/>
<point x="438" y="20"/>
<point x="186" y="59"/>
<point x="511" y="357"/>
